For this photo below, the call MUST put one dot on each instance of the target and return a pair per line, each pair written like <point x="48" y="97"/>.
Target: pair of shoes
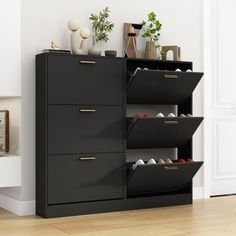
<point x="166" y="161"/>
<point x="178" y="70"/>
<point x="183" y="161"/>
<point x="183" y="116"/>
<point x="160" y="115"/>
<point x="160" y="161"/>
<point x="140" y="116"/>
<point x="140" y="162"/>
<point x="138" y="68"/>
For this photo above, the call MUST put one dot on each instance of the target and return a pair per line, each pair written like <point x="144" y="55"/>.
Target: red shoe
<point x="181" y="161"/>
<point x="146" y="116"/>
<point x="189" y="160"/>
<point x="137" y="115"/>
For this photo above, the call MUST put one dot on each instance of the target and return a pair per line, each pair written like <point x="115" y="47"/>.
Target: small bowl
<point x="110" y="53"/>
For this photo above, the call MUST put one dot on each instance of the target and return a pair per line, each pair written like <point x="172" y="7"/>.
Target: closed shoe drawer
<point x="78" y="178"/>
<point x="77" y="80"/>
<point x="83" y="129"/>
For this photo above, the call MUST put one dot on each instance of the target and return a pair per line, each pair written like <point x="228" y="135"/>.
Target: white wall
<point x="10" y="48"/>
<point x="46" y="20"/>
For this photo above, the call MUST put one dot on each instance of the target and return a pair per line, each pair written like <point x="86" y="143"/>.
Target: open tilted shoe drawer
<point x="161" y="87"/>
<point x="160" y="132"/>
<point x="160" y="178"/>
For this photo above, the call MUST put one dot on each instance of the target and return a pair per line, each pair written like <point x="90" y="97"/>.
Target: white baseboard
<point x="198" y="193"/>
<point x="20" y="208"/>
<point x="25" y="208"/>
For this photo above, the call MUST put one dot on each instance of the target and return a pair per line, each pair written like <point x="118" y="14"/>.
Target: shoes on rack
<point x="146" y="116"/>
<point x="151" y="162"/>
<point x="181" y="161"/>
<point x="159" y="115"/>
<point x="139" y="162"/>
<point x="188" y="70"/>
<point x="178" y="70"/>
<point x="145" y="68"/>
<point x="189" y="115"/>
<point x="189" y="160"/>
<point x="161" y="161"/>
<point x="182" y="116"/>
<point x="168" y="161"/>
<point x="171" y="115"/>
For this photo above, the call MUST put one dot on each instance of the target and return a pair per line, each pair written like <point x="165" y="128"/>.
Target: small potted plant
<point x="101" y="27"/>
<point x="151" y="30"/>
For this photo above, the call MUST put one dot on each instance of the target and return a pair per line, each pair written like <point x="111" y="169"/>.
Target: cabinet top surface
<point x="105" y="57"/>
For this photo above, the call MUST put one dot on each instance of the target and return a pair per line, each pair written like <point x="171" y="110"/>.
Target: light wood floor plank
<point x="209" y="217"/>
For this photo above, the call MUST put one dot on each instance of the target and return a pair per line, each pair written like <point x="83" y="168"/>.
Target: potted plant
<point x="151" y="30"/>
<point x="101" y="27"/>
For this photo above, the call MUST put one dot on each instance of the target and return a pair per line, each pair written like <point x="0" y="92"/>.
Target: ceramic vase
<point x="94" y="50"/>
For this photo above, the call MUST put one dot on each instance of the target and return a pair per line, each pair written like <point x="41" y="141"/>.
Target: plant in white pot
<point x="101" y="27"/>
<point x="151" y="30"/>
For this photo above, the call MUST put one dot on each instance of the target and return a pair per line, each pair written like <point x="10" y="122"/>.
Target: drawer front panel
<point x="83" y="129"/>
<point x="75" y="80"/>
<point x="78" y="178"/>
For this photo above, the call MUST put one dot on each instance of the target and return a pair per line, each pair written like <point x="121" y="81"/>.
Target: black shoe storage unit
<point x="83" y="133"/>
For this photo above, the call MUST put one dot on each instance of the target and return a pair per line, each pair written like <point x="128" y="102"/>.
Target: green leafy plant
<point x="101" y="26"/>
<point x="151" y="28"/>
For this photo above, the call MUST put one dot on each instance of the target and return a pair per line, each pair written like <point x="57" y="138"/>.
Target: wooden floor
<point x="214" y="217"/>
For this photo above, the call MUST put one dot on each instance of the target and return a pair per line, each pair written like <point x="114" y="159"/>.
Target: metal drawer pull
<point x="88" y="62"/>
<point x="171" y="167"/>
<point x="171" y="76"/>
<point x="171" y="122"/>
<point x="87" y="158"/>
<point x="87" y="110"/>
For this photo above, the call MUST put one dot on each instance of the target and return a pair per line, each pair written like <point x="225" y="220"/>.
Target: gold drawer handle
<point x="171" y="76"/>
<point x="171" y="122"/>
<point x="88" y="62"/>
<point x="171" y="167"/>
<point x="87" y="158"/>
<point x="88" y="110"/>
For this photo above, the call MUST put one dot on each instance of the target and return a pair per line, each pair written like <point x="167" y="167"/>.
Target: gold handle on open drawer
<point x="88" y="110"/>
<point x="87" y="158"/>
<point x="87" y="62"/>
<point x="171" y="167"/>
<point x="171" y="122"/>
<point x="171" y="76"/>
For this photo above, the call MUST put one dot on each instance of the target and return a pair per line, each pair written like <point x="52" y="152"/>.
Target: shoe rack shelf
<point x="160" y="132"/>
<point x="160" y="178"/>
<point x="161" y="84"/>
<point x="161" y="87"/>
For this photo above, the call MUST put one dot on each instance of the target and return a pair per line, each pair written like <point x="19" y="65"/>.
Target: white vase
<point x="94" y="50"/>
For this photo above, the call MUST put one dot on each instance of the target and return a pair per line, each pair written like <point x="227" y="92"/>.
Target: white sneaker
<point x="139" y="162"/>
<point x="178" y="70"/>
<point x="189" y="115"/>
<point x="182" y="116"/>
<point x="168" y="161"/>
<point x="171" y="115"/>
<point x="161" y="161"/>
<point x="137" y="69"/>
<point x="188" y="70"/>
<point x="151" y="162"/>
<point x="145" y="68"/>
<point x="159" y="115"/>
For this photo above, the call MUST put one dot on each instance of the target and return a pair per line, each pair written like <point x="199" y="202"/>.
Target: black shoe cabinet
<point x="82" y="134"/>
